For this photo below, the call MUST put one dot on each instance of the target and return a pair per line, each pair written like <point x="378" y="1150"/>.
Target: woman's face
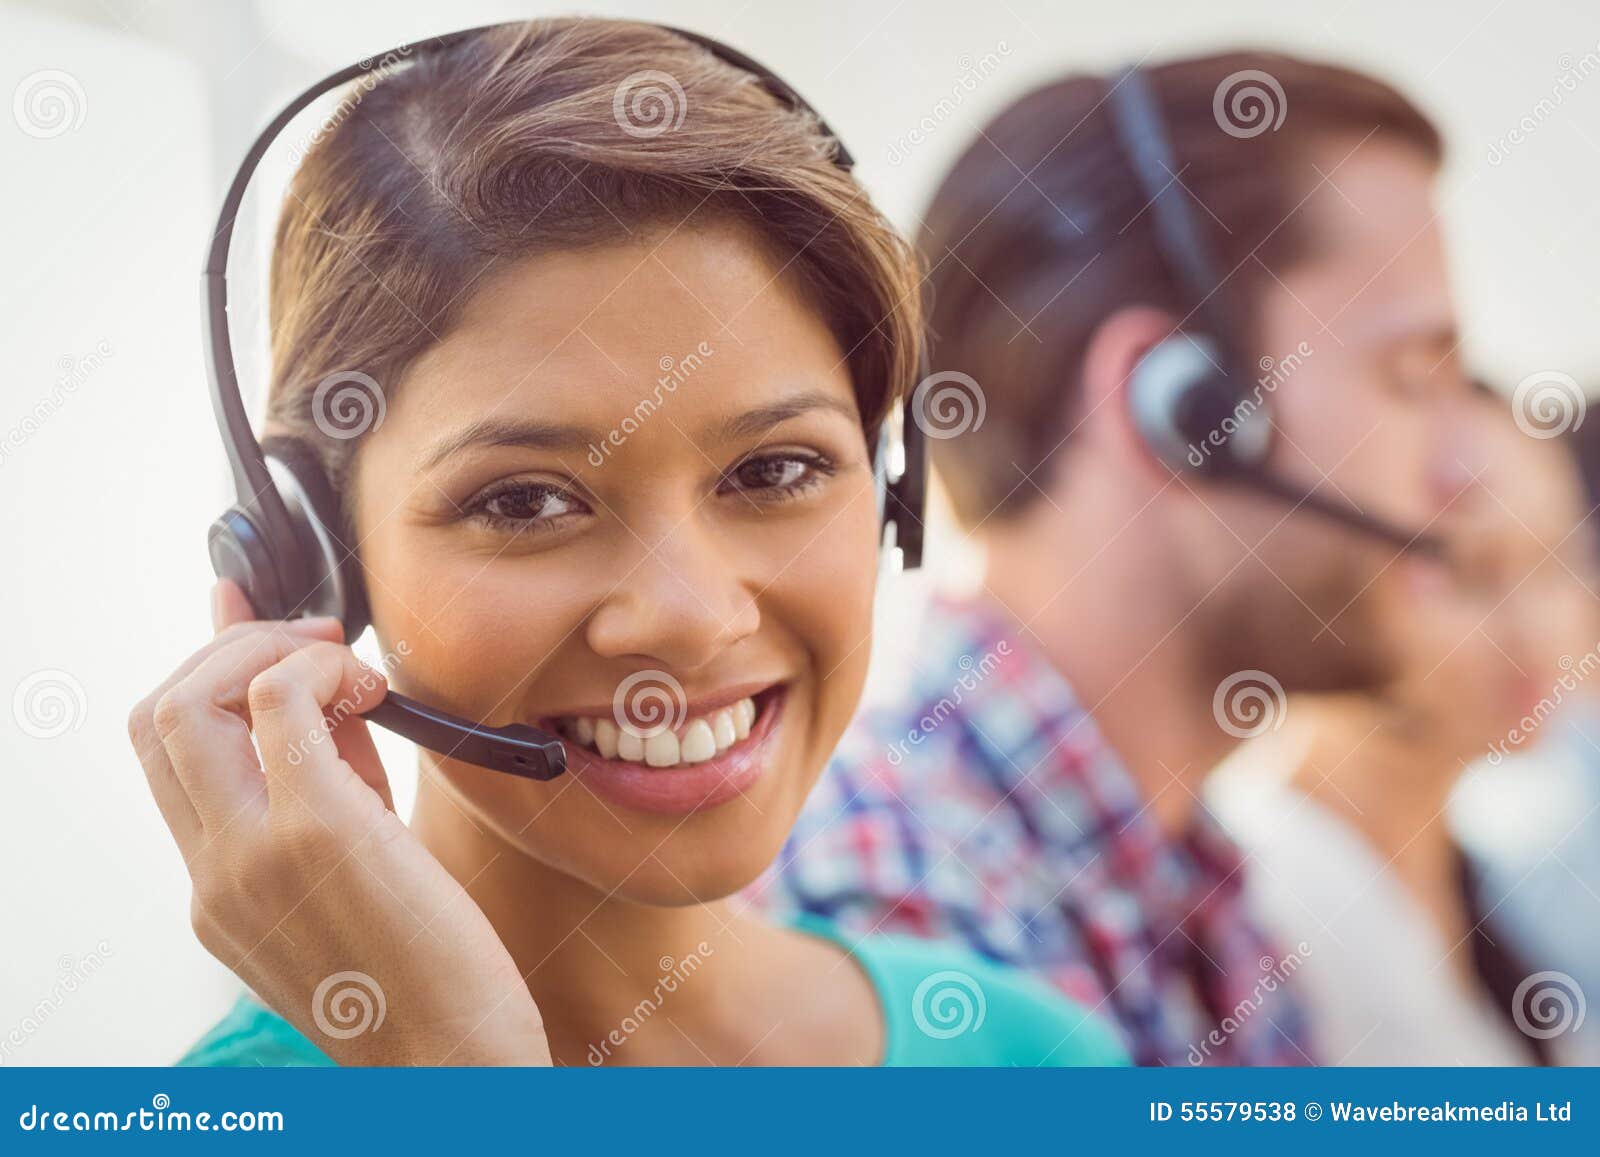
<point x="631" y="487"/>
<point x="1493" y="644"/>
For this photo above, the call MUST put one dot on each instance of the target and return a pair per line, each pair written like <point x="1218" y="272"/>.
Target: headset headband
<point x="1142" y="130"/>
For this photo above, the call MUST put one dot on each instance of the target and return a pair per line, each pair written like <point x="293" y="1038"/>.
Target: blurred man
<point x="1033" y="792"/>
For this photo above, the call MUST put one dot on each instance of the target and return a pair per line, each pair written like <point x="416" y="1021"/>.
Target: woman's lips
<point x="684" y="788"/>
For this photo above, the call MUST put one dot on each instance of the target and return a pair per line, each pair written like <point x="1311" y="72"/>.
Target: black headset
<point x="283" y="540"/>
<point x="1187" y="393"/>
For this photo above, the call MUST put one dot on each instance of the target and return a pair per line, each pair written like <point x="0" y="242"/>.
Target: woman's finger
<point x="229" y="605"/>
<point x="291" y="705"/>
<point x="202" y="719"/>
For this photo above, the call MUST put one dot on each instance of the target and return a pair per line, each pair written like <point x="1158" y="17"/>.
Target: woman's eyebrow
<point x="511" y="432"/>
<point x="758" y="421"/>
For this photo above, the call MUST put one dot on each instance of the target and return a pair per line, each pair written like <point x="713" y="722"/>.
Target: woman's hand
<point x="306" y="884"/>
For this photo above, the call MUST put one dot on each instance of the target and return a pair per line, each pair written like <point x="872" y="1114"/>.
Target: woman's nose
<point x="682" y="602"/>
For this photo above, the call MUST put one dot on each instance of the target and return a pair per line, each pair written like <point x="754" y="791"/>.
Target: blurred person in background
<point x="1528" y="813"/>
<point x="1344" y="809"/>
<point x="1032" y="791"/>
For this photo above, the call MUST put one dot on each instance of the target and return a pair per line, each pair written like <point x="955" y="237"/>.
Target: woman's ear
<point x="1114" y="351"/>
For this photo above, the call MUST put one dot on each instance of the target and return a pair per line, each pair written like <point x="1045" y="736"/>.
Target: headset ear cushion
<point x="1189" y="413"/>
<point x="336" y="584"/>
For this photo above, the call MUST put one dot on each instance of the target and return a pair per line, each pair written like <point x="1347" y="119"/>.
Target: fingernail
<point x="320" y="624"/>
<point x="216" y="607"/>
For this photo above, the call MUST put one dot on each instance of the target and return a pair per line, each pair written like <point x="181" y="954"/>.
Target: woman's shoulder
<point x="947" y="1006"/>
<point x="252" y="1034"/>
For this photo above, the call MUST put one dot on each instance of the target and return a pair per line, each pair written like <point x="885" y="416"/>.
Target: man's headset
<point x="1187" y="394"/>
<point x="283" y="543"/>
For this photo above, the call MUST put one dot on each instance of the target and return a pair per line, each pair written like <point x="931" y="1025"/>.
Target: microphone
<point x="515" y="748"/>
<point x="1341" y="511"/>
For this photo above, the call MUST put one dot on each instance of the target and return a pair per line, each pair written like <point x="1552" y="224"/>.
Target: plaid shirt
<point x="985" y="807"/>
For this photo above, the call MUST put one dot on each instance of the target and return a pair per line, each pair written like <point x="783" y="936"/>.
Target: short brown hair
<point x="1040" y="231"/>
<point x="522" y="139"/>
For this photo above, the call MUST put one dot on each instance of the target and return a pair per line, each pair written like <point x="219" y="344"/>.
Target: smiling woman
<point x="491" y="238"/>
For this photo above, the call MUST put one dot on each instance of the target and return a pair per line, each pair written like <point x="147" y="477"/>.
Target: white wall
<point x="103" y="502"/>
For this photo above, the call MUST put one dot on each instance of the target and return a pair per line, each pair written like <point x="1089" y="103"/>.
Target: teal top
<point x="942" y="1006"/>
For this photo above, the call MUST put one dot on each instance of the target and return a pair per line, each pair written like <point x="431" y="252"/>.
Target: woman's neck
<point x="1377" y="770"/>
<point x="618" y="981"/>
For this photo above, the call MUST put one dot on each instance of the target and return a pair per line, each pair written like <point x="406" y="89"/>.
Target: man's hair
<point x="1042" y="230"/>
<point x="521" y="140"/>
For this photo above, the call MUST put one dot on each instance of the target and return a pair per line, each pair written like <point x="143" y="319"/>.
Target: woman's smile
<point x="713" y="751"/>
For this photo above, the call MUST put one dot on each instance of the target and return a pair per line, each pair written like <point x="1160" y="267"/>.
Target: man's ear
<point x="1114" y="349"/>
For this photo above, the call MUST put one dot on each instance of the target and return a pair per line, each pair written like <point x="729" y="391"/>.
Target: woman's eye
<point x="785" y="473"/>
<point x="528" y="504"/>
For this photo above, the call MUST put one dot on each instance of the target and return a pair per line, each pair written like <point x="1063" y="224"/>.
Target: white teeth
<point x="722" y="730"/>
<point x="699" y="744"/>
<point x="698" y="740"/>
<point x="605" y="737"/>
<point x="661" y="750"/>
